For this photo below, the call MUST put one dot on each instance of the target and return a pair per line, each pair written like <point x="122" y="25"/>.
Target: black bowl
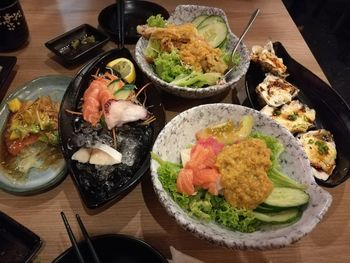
<point x="17" y="243"/>
<point x="95" y="189"/>
<point x="332" y="112"/>
<point x="62" y="47"/>
<point x="115" y="248"/>
<point x="136" y="13"/>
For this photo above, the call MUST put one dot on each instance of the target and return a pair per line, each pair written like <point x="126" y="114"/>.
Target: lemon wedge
<point x="125" y="68"/>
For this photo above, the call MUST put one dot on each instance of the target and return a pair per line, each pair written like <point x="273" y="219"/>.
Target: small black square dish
<point x="17" y="243"/>
<point x="6" y="65"/>
<point x="136" y="13"/>
<point x="77" y="44"/>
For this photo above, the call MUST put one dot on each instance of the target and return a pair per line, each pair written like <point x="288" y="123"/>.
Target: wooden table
<point x="140" y="213"/>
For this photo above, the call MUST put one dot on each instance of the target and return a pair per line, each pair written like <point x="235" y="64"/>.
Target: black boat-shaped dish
<point x="98" y="185"/>
<point x="332" y="112"/>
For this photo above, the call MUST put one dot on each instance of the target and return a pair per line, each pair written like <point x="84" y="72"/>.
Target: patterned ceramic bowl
<point x="180" y="132"/>
<point x="185" y="14"/>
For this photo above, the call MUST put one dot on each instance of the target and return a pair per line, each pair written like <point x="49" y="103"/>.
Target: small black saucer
<point x="136" y="13"/>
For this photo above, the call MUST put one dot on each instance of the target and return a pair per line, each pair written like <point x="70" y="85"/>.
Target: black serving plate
<point x="62" y="47"/>
<point x="332" y="112"/>
<point x="95" y="193"/>
<point x="6" y="65"/>
<point x="136" y="13"/>
<point x="17" y="243"/>
<point x="114" y="248"/>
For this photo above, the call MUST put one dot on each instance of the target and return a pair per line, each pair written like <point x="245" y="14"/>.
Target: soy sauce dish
<point x="108" y="120"/>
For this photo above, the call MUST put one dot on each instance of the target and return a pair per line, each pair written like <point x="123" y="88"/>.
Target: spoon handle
<point x="252" y="18"/>
<point x="231" y="66"/>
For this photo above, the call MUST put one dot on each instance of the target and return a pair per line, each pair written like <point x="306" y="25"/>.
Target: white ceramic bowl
<point x="185" y="14"/>
<point x="180" y="132"/>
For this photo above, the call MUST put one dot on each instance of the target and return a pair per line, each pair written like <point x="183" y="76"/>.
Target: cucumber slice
<point x="265" y="209"/>
<point x="214" y="33"/>
<point x="286" y="197"/>
<point x="211" y="20"/>
<point x="283" y="217"/>
<point x="198" y="20"/>
<point x="122" y="94"/>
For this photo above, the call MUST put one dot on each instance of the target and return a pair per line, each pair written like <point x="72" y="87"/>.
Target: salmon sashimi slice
<point x="205" y="176"/>
<point x="213" y="187"/>
<point x="184" y="182"/>
<point x="212" y="143"/>
<point x="92" y="105"/>
<point x="201" y="158"/>
<point x="208" y="179"/>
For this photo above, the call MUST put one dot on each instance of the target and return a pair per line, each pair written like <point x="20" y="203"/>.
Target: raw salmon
<point x="205" y="176"/>
<point x="201" y="158"/>
<point x="212" y="143"/>
<point x="184" y="182"/>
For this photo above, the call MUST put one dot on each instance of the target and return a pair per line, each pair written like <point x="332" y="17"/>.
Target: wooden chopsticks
<point x="74" y="242"/>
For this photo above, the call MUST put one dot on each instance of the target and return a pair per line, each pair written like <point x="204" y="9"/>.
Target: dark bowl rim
<point x="116" y="236"/>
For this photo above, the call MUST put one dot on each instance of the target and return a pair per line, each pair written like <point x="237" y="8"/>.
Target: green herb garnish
<point x="322" y="147"/>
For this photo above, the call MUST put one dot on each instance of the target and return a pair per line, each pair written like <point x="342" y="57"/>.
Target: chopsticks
<point x="120" y="22"/>
<point x="74" y="242"/>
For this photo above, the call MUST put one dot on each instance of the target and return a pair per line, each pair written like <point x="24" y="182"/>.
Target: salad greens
<point x="196" y="79"/>
<point x="203" y="205"/>
<point x="275" y="174"/>
<point x="156" y="21"/>
<point x="168" y="66"/>
<point x="210" y="208"/>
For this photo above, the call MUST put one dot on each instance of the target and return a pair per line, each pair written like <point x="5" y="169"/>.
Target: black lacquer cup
<point x="13" y="26"/>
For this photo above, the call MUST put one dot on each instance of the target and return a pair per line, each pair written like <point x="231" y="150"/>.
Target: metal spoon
<point x="252" y="18"/>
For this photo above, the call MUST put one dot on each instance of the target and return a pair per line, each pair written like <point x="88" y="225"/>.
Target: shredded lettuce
<point x="168" y="66"/>
<point x="203" y="205"/>
<point x="156" y="21"/>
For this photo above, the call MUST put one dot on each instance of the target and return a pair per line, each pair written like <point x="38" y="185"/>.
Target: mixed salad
<point x="232" y="176"/>
<point x="188" y="55"/>
<point x="30" y="139"/>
